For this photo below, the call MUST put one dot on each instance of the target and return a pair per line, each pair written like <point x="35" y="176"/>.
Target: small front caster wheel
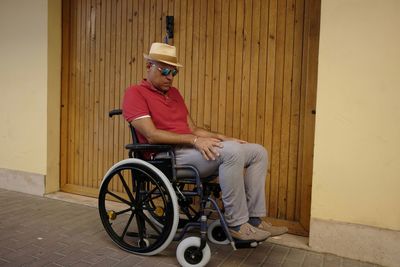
<point x="188" y="255"/>
<point x="216" y="233"/>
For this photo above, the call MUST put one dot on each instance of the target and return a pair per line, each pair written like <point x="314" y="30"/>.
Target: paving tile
<point x="106" y="262"/>
<point x="367" y="264"/>
<point x="113" y="252"/>
<point x="277" y="255"/>
<point x="258" y="255"/>
<point x="271" y="264"/>
<point x="296" y="255"/>
<point x="350" y="263"/>
<point x="130" y="261"/>
<point x="215" y="262"/>
<point x="332" y="261"/>
<point x="72" y="258"/>
<point x="81" y="264"/>
<point x="48" y="259"/>
<point x="313" y="260"/>
<point x="4" y="250"/>
<point x="232" y="260"/>
<point x="292" y="263"/>
<point x="3" y="262"/>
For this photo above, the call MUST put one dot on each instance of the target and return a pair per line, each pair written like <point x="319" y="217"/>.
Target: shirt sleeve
<point x="134" y="104"/>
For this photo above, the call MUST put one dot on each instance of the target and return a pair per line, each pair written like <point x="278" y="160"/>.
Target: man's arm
<point x="200" y="132"/>
<point x="156" y="136"/>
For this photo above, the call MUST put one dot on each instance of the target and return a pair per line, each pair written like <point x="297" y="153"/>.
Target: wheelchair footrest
<point x="245" y="243"/>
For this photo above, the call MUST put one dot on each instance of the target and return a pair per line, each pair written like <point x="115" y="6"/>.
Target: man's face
<point x="155" y="71"/>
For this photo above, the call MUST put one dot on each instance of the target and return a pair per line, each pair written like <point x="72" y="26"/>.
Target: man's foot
<point x="249" y="232"/>
<point x="273" y="230"/>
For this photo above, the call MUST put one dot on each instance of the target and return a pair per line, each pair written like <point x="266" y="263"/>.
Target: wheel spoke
<point x="128" y="191"/>
<point x="148" y="194"/>
<point x="127" y="225"/>
<point x="149" y="222"/>
<point x="119" y="198"/>
<point x="123" y="211"/>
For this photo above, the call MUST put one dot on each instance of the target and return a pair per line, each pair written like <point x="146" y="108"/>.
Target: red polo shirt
<point x="167" y="111"/>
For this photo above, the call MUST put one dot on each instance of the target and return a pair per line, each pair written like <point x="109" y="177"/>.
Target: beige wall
<point x="29" y="84"/>
<point x="357" y="148"/>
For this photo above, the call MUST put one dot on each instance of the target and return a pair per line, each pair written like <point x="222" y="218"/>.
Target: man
<point x="159" y="114"/>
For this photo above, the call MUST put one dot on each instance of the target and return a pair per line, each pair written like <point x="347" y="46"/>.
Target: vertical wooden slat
<point x="293" y="192"/>
<point x="146" y="26"/>
<point x="179" y="42"/>
<point x="71" y="97"/>
<point x="222" y="91"/>
<point x="262" y="75"/>
<point x="230" y="116"/>
<point x="97" y="116"/>
<point x="202" y="63"/>
<point x="195" y="61"/>
<point x="216" y="57"/>
<point x="134" y="49"/>
<point x="107" y="74"/>
<point x="310" y="104"/>
<point x="152" y="22"/>
<point x="67" y="28"/>
<point x="244" y="100"/>
<point x="286" y="107"/>
<point x="81" y="98"/>
<point x="159" y="25"/>
<point x="188" y="41"/>
<point x="238" y="68"/>
<point x="125" y="68"/>
<point x="85" y="88"/>
<point x="102" y="78"/>
<point x="209" y="65"/>
<point x="269" y="95"/>
<point x="140" y="37"/>
<point x="277" y="118"/>
<point x="128" y="62"/>
<point x="253" y="89"/>
<point x="91" y="133"/>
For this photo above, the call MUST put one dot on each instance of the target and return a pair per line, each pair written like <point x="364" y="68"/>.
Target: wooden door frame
<point x="307" y="121"/>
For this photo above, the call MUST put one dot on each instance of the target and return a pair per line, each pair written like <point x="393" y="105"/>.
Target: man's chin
<point x="165" y="88"/>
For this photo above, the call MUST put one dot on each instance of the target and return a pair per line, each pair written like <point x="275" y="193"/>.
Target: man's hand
<point x="208" y="147"/>
<point x="233" y="139"/>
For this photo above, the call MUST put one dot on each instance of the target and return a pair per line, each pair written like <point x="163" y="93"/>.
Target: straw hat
<point x="163" y="53"/>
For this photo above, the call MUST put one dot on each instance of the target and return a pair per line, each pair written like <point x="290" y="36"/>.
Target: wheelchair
<point x="146" y="202"/>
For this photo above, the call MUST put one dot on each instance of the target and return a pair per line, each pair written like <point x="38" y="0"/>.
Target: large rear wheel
<point x="138" y="207"/>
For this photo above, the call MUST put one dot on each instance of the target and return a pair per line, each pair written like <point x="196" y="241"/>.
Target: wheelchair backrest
<point x="118" y="112"/>
<point x="164" y="164"/>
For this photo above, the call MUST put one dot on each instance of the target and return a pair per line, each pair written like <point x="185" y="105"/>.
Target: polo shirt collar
<point x="145" y="83"/>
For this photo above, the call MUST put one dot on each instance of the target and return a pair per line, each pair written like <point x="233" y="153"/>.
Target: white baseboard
<point x="360" y="242"/>
<point x="25" y="182"/>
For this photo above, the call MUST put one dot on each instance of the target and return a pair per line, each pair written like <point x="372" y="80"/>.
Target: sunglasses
<point x="166" y="71"/>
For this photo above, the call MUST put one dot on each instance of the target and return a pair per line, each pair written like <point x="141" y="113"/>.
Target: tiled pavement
<point x="39" y="231"/>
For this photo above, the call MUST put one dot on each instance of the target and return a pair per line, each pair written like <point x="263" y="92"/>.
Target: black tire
<point x="138" y="207"/>
<point x="216" y="233"/>
<point x="188" y="255"/>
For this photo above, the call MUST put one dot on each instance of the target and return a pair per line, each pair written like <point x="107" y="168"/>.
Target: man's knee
<point x="262" y="153"/>
<point x="232" y="151"/>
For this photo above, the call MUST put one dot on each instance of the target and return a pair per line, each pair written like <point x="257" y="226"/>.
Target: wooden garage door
<point x="250" y="72"/>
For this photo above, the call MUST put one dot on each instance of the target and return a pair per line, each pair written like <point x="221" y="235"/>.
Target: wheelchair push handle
<point x="115" y="112"/>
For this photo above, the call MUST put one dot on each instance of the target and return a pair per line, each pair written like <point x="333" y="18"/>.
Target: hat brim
<point x="148" y="57"/>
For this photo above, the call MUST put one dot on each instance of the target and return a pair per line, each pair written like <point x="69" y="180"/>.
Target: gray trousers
<point x="243" y="192"/>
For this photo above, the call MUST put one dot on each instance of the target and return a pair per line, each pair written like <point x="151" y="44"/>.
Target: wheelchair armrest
<point x="148" y="148"/>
